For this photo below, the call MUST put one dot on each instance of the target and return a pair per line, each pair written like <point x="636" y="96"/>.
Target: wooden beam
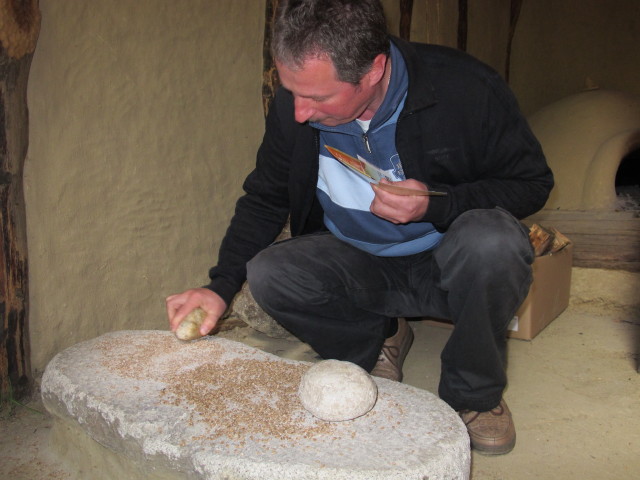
<point x="19" y="30"/>
<point x="608" y="240"/>
<point x="406" y="14"/>
<point x="514" y="15"/>
<point x="463" y="19"/>
<point x="270" y="79"/>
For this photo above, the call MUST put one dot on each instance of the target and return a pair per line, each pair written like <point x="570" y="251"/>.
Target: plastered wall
<point x="436" y="21"/>
<point x="144" y="118"/>
<point x="562" y="46"/>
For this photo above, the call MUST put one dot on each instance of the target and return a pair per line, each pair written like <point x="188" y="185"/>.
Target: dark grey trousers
<point x="339" y="299"/>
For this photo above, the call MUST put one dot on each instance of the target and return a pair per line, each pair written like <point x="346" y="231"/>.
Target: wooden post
<point x="270" y="80"/>
<point x="406" y="14"/>
<point x="19" y="28"/>
<point x="514" y="15"/>
<point x="463" y="18"/>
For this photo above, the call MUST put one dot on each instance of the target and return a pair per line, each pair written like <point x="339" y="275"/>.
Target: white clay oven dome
<point x="586" y="137"/>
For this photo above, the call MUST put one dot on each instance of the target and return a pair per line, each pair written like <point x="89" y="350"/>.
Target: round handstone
<point x="337" y="391"/>
<point x="189" y="328"/>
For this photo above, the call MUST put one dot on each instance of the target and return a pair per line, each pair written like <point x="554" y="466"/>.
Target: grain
<point x="236" y="398"/>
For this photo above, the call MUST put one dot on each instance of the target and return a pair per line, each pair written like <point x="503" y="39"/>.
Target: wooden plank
<point x="601" y="239"/>
<point x="270" y="79"/>
<point x="19" y="29"/>
<point x="406" y="13"/>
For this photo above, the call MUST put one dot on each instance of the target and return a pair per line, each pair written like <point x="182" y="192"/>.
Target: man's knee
<point x="260" y="269"/>
<point x="485" y="244"/>
<point x="491" y="234"/>
<point x="279" y="278"/>
<point x="264" y="274"/>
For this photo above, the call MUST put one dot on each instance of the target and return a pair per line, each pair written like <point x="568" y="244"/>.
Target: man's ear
<point x="377" y="69"/>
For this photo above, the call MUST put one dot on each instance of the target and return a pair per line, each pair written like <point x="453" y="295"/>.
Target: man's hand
<point x="399" y="208"/>
<point x="180" y="305"/>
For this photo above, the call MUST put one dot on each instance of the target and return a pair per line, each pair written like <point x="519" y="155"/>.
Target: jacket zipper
<point x="365" y="139"/>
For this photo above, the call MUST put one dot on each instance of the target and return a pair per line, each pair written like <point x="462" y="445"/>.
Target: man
<point x="361" y="257"/>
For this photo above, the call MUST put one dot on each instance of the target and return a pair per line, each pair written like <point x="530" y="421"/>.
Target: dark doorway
<point x="628" y="182"/>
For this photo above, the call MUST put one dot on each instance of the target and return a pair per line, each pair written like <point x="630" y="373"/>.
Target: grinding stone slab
<point x="219" y="409"/>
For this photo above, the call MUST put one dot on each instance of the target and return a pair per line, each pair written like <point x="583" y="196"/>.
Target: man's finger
<point x="208" y="324"/>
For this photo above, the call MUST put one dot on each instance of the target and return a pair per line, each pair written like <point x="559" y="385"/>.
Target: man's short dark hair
<point x="350" y="32"/>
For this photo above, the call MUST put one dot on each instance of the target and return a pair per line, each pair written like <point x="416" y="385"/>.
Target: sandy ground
<point x="574" y="392"/>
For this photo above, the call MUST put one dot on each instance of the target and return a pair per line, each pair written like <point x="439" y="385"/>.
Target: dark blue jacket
<point x="461" y="131"/>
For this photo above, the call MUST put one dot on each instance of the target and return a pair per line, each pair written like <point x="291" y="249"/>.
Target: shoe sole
<point x="489" y="450"/>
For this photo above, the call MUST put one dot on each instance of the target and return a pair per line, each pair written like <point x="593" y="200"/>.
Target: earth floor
<point x="574" y="392"/>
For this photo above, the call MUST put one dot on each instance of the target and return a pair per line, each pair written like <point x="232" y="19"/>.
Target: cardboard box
<point x="548" y="296"/>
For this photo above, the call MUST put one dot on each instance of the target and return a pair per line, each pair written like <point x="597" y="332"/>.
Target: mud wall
<point x="145" y="117"/>
<point x="564" y="47"/>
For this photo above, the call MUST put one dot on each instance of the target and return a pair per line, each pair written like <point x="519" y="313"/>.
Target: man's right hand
<point x="181" y="304"/>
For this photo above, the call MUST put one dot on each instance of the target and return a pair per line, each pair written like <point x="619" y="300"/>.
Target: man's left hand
<point x="400" y="208"/>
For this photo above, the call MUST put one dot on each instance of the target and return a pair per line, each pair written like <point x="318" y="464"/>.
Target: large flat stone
<point x="218" y="409"/>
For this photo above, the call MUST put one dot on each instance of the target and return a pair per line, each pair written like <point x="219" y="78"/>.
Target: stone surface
<point x="337" y="391"/>
<point x="218" y="409"/>
<point x="246" y="309"/>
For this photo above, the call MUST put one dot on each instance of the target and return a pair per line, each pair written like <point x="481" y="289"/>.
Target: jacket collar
<point x="421" y="93"/>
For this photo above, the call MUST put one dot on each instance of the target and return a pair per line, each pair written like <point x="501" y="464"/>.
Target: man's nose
<point x="303" y="109"/>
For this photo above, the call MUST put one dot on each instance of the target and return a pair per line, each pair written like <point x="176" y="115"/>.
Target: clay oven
<point x="586" y="137"/>
<point x="592" y="144"/>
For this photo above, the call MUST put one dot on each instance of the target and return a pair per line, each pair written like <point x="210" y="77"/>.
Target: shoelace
<point x="497" y="411"/>
<point x="388" y="352"/>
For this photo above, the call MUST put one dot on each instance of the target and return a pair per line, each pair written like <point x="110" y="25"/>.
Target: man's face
<point x="321" y="98"/>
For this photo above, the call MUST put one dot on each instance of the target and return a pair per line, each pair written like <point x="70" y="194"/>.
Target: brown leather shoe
<point x="492" y="432"/>
<point x="393" y="353"/>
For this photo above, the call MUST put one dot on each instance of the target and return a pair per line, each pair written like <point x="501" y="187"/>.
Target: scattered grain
<point x="239" y="399"/>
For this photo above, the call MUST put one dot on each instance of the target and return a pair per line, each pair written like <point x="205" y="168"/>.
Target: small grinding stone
<point x="189" y="328"/>
<point x="336" y="391"/>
